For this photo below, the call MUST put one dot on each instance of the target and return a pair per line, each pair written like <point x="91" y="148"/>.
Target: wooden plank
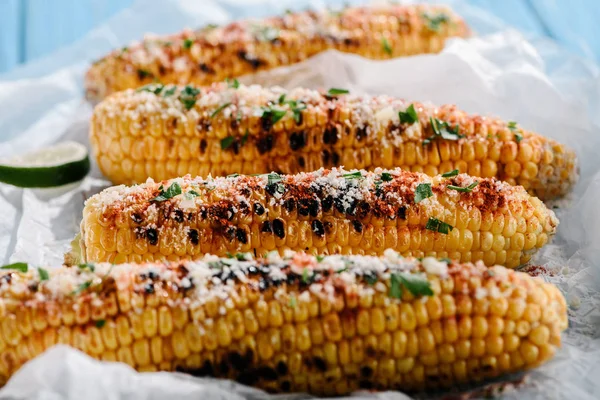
<point x="10" y="25"/>
<point x="516" y="13"/>
<point x="574" y="24"/>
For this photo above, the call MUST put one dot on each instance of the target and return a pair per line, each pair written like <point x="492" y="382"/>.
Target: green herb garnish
<point x="353" y="175"/>
<point x="305" y="277"/>
<point x="245" y="138"/>
<point x="155" y="88"/>
<point x="371" y="279"/>
<point x="19" y="266"/>
<point x="320" y="258"/>
<point x="441" y="129"/>
<point x="218" y="110"/>
<point x="89" y="266"/>
<point x="188" y="96"/>
<point x="422" y="192"/>
<point x="142" y="73"/>
<point x="232" y="83"/>
<point x="336" y="91"/>
<point x="187" y="44"/>
<point x="170" y="92"/>
<point x="386" y="46"/>
<point x="434" y="22"/>
<point x="227" y="142"/>
<point x="171" y="192"/>
<point x="190" y="195"/>
<point x="265" y="33"/>
<point x="395" y="286"/>
<point x="409" y="116"/>
<point x="434" y="224"/>
<point x="281" y="99"/>
<point x="272" y="114"/>
<point x="450" y="174"/>
<point x="416" y="284"/>
<point x="467" y="189"/>
<point x="386" y="177"/>
<point x="44" y="276"/>
<point x="293" y="301"/>
<point x="512" y="125"/>
<point x="82" y="287"/>
<point x="100" y="323"/>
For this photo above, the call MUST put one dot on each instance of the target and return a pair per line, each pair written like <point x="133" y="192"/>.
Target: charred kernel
<point x="137" y="218"/>
<point x="325" y="157"/>
<point x="363" y="209"/>
<point x="370" y="351"/>
<point x="223" y="367"/>
<point x="301" y="162"/>
<point x="207" y="369"/>
<point x="327" y="203"/>
<point x="203" y="145"/>
<point x="318" y="228"/>
<point x="330" y="136"/>
<point x="178" y="216"/>
<point x="242" y="235"/>
<point x="236" y="360"/>
<point x="230" y="233"/>
<point x="149" y="288"/>
<point x="247" y="378"/>
<point x="299" y="119"/>
<point x="308" y="362"/>
<point x="351" y="210"/>
<point x="249" y="356"/>
<point x="267" y="373"/>
<point x="297" y="140"/>
<point x="366" y="371"/>
<point x="152" y="236"/>
<point x="289" y="204"/>
<point x="272" y="188"/>
<point x="203" y="213"/>
<point x="364" y="384"/>
<point x="259" y="209"/>
<point x="361" y="133"/>
<point x="335" y="158"/>
<point x="205" y="68"/>
<point x="320" y="364"/>
<point x="303" y="207"/>
<point x="282" y="368"/>
<point x="243" y="207"/>
<point x="313" y="207"/>
<point x="267" y="226"/>
<point x="339" y="205"/>
<point x="153" y="275"/>
<point x="401" y="212"/>
<point x="357" y="225"/>
<point x="286" y="386"/>
<point x="266" y="143"/>
<point x="278" y="228"/>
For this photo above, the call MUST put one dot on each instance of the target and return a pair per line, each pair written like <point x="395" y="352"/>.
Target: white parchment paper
<point x="502" y="73"/>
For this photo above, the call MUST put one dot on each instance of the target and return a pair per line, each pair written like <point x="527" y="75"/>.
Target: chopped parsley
<point x="441" y="129"/>
<point x="188" y="96"/>
<point x="100" y="323"/>
<point x="450" y="174"/>
<point x="89" y="266"/>
<point x="187" y="44"/>
<point x="422" y="192"/>
<point x="293" y="301"/>
<point x="245" y="138"/>
<point x="433" y="22"/>
<point x="281" y="99"/>
<point x="434" y="224"/>
<point x="297" y="109"/>
<point x="467" y="189"/>
<point x="44" y="276"/>
<point x="371" y="278"/>
<point x="170" y="92"/>
<point x="190" y="195"/>
<point x="417" y="285"/>
<point x="409" y="116"/>
<point x="320" y="258"/>
<point x="232" y="83"/>
<point x="395" y="286"/>
<point x="171" y="192"/>
<point x="227" y="142"/>
<point x="386" y="46"/>
<point x="155" y="88"/>
<point x="19" y="266"/>
<point x="143" y="73"/>
<point x="82" y="287"/>
<point x="512" y="125"/>
<point x="273" y="114"/>
<point x="265" y="33"/>
<point x="336" y="91"/>
<point x="386" y="177"/>
<point x="305" y="276"/>
<point x="353" y="175"/>
<point x="275" y="179"/>
<point x="518" y="137"/>
<point x="218" y="110"/>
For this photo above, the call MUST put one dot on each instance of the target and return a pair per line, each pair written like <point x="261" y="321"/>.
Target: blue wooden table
<point x="30" y="29"/>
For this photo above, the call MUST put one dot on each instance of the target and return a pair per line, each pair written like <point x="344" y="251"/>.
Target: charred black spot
<point x="487" y="368"/>
<point x="243" y="207"/>
<point x="335" y="158"/>
<point x="203" y="145"/>
<point x="370" y="351"/>
<point x="318" y="228"/>
<point x="365" y="384"/>
<point x="149" y="288"/>
<point x="278" y="228"/>
<point x="137" y="218"/>
<point x="330" y="136"/>
<point x="254" y="62"/>
<point x="267" y="373"/>
<point x="203" y="213"/>
<point x="301" y="162"/>
<point x="162" y="70"/>
<point x="259" y="209"/>
<point x="205" y="68"/>
<point x="308" y="362"/>
<point x="327" y="203"/>
<point x="339" y="205"/>
<point x="223" y="367"/>
<point x="267" y="226"/>
<point x="282" y="368"/>
<point x="401" y="212"/>
<point x="266" y="143"/>
<point x="361" y="133"/>
<point x="229" y="233"/>
<point x="289" y="204"/>
<point x="320" y="364"/>
<point x="350" y="42"/>
<point x="178" y="216"/>
<point x="153" y="275"/>
<point x="286" y="386"/>
<point x="152" y="236"/>
<point x="313" y="207"/>
<point x="207" y="369"/>
<point x="247" y="378"/>
<point x="303" y="207"/>
<point x="297" y="140"/>
<point x="433" y="378"/>
<point x="325" y="157"/>
<point x="357" y="225"/>
<point x="249" y="356"/>
<point x="271" y="188"/>
<point x="299" y="118"/>
<point x="242" y="235"/>
<point x="351" y="210"/>
<point x="363" y="209"/>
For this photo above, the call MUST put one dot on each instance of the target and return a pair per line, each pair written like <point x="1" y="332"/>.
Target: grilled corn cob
<point x="326" y="325"/>
<point x="163" y="132"/>
<point x="325" y="212"/>
<point x="213" y="54"/>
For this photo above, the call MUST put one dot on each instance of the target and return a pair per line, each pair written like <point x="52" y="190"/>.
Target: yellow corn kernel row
<point x="292" y="328"/>
<point x="243" y="47"/>
<point x="163" y="132"/>
<point x="326" y="212"/>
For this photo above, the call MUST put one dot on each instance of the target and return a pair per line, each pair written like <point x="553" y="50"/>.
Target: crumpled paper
<point x="529" y="80"/>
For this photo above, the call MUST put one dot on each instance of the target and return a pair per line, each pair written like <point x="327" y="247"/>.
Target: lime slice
<point x="53" y="166"/>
